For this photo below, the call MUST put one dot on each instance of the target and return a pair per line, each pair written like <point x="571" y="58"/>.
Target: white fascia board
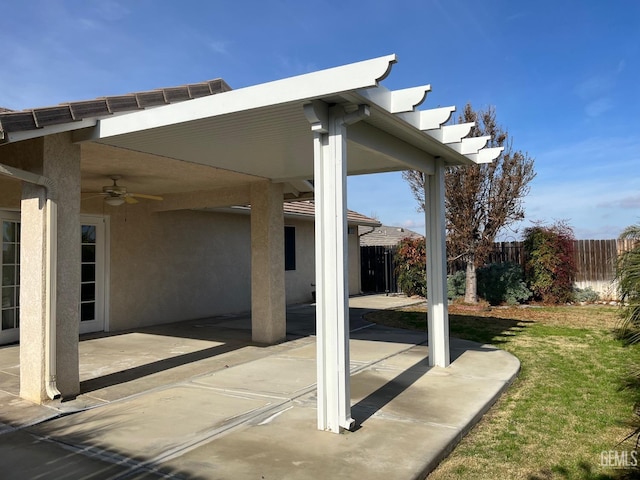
<point x="10" y="137"/>
<point x="470" y="145"/>
<point x="376" y="140"/>
<point x="397" y="101"/>
<point x="451" y="133"/>
<point x="313" y="85"/>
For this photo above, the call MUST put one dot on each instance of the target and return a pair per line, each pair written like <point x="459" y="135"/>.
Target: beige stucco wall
<point x="299" y="281"/>
<point x="177" y="265"/>
<point x="182" y="265"/>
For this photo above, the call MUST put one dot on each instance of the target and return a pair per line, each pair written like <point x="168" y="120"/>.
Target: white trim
<point x="49" y="130"/>
<point x="318" y="84"/>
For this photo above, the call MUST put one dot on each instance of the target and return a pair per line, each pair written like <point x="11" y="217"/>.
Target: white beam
<point x="428" y="119"/>
<point x="486" y="155"/>
<point x="470" y="145"/>
<point x="332" y="309"/>
<point x="375" y="140"/>
<point x="397" y="101"/>
<point x="437" y="311"/>
<point x="451" y="133"/>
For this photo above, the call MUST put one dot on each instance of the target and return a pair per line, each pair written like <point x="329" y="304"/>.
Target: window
<point x="289" y="248"/>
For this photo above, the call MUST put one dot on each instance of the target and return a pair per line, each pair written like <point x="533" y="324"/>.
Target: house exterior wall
<point x="299" y="283"/>
<point x="206" y="258"/>
<point x="179" y="265"/>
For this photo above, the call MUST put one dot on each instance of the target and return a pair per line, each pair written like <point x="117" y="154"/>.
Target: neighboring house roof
<point x="306" y="209"/>
<point x="384" y="236"/>
<point x="12" y="121"/>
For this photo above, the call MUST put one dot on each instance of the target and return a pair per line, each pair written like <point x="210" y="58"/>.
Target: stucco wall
<point x="181" y="265"/>
<point x="177" y="265"/>
<point x="299" y="281"/>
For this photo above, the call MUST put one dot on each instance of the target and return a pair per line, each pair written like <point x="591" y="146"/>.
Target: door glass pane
<point x="9" y="233"/>
<point x="8" y="297"/>
<point x="88" y="292"/>
<point x="88" y="272"/>
<point x="87" y="312"/>
<point x="8" y="275"/>
<point x="88" y="234"/>
<point x="8" y="319"/>
<point x="88" y="253"/>
<point x="8" y="253"/>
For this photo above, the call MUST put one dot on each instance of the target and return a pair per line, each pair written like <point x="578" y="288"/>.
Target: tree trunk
<point x="471" y="285"/>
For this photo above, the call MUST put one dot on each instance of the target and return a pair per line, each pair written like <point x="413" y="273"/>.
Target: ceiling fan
<point x="115" y="195"/>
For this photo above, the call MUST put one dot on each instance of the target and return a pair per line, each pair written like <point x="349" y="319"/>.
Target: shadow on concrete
<point x="375" y="401"/>
<point x="147" y="369"/>
<point x="234" y="332"/>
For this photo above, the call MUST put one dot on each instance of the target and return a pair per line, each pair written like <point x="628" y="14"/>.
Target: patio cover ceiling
<point x="263" y="130"/>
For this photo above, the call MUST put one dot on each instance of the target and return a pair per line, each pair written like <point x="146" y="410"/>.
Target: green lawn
<point x="568" y="404"/>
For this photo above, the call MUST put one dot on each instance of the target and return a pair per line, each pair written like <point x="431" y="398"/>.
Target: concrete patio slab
<point x="37" y="458"/>
<point x="199" y="400"/>
<point x="277" y="376"/>
<point x="384" y="449"/>
<point x="149" y="425"/>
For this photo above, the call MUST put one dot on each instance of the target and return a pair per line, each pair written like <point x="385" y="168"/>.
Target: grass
<point x="568" y="404"/>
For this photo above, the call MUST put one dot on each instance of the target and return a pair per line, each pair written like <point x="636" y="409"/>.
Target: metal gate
<point x="378" y="270"/>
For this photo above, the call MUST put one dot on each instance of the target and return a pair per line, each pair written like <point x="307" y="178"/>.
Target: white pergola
<point x="321" y="126"/>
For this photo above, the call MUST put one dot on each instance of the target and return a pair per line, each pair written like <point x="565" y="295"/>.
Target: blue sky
<point x="564" y="76"/>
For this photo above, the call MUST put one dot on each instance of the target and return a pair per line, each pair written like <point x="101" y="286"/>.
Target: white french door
<point x="10" y="264"/>
<point x="93" y="284"/>
<point x="93" y="274"/>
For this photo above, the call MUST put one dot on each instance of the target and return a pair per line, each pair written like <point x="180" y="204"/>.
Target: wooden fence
<point x="595" y="260"/>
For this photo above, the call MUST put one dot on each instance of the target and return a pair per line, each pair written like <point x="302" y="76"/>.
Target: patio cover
<point x="317" y="127"/>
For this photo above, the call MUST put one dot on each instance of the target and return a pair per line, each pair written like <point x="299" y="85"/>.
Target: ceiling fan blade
<point x="130" y="200"/>
<point x="90" y="195"/>
<point x="143" y="195"/>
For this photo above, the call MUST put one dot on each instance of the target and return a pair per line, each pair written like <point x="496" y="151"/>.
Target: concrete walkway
<point x="199" y="400"/>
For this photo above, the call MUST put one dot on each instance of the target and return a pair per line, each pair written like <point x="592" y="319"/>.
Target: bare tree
<point x="481" y="199"/>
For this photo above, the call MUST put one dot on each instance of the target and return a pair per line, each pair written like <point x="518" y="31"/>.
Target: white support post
<point x="332" y="307"/>
<point x="437" y="311"/>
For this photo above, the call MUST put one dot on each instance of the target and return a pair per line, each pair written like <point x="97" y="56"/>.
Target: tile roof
<point x="307" y="209"/>
<point x="384" y="236"/>
<point x="32" y="119"/>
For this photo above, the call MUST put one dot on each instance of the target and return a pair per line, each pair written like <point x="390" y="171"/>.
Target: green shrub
<point x="550" y="266"/>
<point x="456" y="285"/>
<point x="502" y="283"/>
<point x="411" y="268"/>
<point x="628" y="277"/>
<point x="588" y="295"/>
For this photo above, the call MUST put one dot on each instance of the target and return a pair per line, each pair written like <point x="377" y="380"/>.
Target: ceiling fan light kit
<point x="114" y="201"/>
